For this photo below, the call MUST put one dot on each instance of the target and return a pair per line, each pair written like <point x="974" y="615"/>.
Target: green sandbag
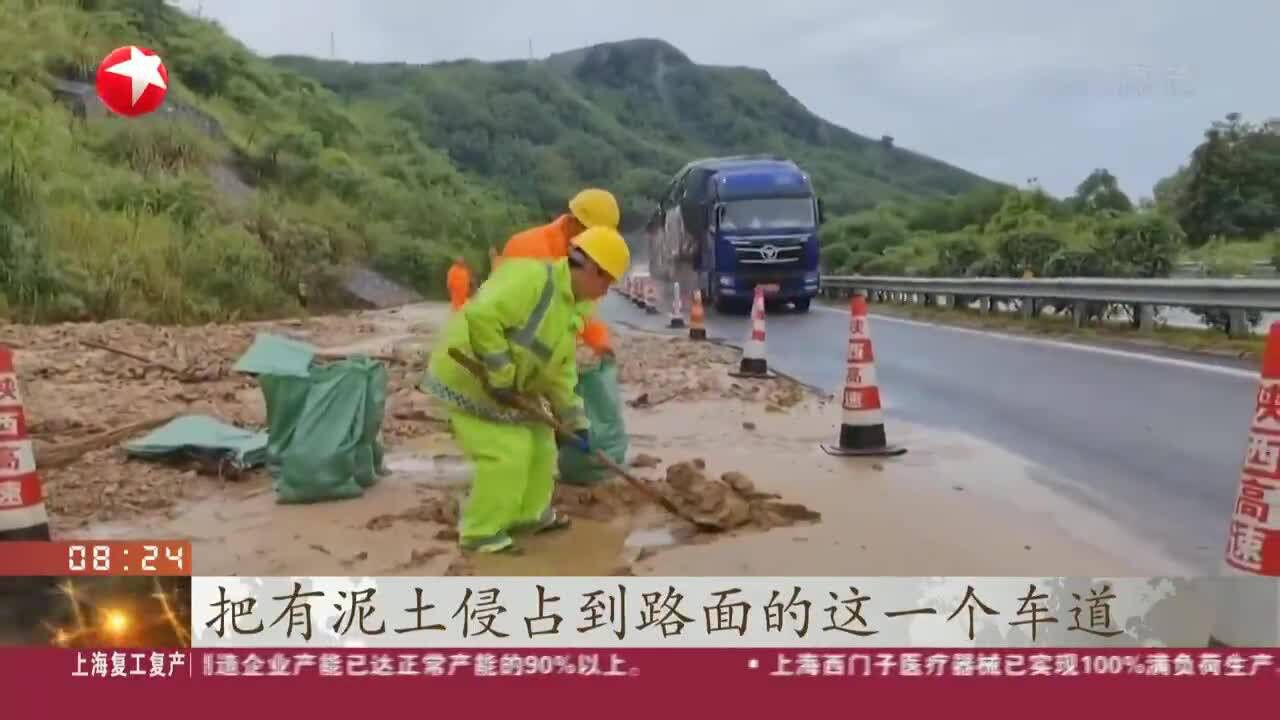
<point x="323" y="430"/>
<point x="599" y="389"/>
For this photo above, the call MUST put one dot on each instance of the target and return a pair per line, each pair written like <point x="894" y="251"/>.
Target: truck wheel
<point x="724" y="305"/>
<point x="802" y="305"/>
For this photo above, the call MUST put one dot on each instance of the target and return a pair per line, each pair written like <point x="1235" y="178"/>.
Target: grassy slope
<point x="276" y="182"/>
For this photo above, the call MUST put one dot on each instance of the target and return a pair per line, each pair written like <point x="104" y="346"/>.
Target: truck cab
<point x="728" y="225"/>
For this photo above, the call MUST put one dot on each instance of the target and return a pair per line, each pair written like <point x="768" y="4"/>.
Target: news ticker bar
<point x="719" y="612"/>
<point x="1258" y="663"/>
<point x="96" y="558"/>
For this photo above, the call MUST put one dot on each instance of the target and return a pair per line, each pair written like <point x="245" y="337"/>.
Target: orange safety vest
<point x="551" y="242"/>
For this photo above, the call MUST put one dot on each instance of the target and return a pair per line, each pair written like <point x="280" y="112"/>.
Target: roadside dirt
<point x="74" y="391"/>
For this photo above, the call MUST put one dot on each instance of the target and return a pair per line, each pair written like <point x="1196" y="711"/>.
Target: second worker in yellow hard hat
<point x="520" y="326"/>
<point x="591" y="208"/>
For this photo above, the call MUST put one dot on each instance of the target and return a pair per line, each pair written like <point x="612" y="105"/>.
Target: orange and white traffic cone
<point x="1248" y="598"/>
<point x="22" y="512"/>
<point x="754" y="364"/>
<point x="651" y="298"/>
<point x="676" y="319"/>
<point x="697" y="318"/>
<point x="862" y="423"/>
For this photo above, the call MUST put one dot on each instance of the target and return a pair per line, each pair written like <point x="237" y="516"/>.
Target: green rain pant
<point x="514" y="475"/>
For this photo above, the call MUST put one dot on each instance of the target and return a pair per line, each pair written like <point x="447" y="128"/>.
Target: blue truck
<point x="727" y="225"/>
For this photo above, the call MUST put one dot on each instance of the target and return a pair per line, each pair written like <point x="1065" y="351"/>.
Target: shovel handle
<point x="546" y="418"/>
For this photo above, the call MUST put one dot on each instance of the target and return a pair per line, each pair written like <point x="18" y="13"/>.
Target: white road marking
<point x="1078" y="347"/>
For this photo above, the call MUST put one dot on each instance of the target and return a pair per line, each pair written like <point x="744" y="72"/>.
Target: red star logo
<point x="132" y="81"/>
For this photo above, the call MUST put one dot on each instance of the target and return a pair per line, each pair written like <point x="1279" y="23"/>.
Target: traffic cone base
<point x="863" y="441"/>
<point x="754" y="368"/>
<point x="862" y="426"/>
<point x="697" y="333"/>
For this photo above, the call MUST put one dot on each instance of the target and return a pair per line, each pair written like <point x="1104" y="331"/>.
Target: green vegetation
<point x="1222" y="210"/>
<point x="256" y="180"/>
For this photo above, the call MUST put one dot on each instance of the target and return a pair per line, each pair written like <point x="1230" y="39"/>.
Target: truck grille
<point x="769" y="249"/>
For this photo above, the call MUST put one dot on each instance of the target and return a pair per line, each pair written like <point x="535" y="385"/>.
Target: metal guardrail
<point x="1258" y="269"/>
<point x="1247" y="294"/>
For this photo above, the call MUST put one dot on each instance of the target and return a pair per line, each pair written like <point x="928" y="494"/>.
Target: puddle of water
<point x="585" y="548"/>
<point x="650" y="538"/>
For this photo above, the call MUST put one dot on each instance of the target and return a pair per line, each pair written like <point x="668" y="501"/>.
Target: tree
<point x="1098" y="192"/>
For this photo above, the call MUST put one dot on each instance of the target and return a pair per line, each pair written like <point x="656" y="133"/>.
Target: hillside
<point x="261" y="183"/>
<point x="253" y="181"/>
<point x="625" y="116"/>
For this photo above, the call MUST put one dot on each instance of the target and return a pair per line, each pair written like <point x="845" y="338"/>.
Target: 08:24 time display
<point x="115" y="557"/>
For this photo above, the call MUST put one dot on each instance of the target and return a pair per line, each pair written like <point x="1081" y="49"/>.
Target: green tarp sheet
<point x="600" y="392"/>
<point x="275" y="355"/>
<point x="203" y="435"/>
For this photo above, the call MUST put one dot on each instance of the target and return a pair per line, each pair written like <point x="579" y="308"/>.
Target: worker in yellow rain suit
<point x="588" y="209"/>
<point x="521" y="325"/>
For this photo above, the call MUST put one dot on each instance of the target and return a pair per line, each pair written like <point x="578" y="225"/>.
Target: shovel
<point x="537" y="412"/>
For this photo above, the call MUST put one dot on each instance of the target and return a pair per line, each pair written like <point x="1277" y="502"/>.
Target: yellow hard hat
<point x="607" y="248"/>
<point x="595" y="208"/>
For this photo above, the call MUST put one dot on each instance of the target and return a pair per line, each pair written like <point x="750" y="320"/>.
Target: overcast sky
<point x="1010" y="89"/>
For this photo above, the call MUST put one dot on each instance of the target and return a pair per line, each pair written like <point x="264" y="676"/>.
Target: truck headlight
<point x="811" y="278"/>
<point x="726" y="281"/>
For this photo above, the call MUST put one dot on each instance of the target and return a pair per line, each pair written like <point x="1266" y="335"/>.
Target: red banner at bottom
<point x="745" y="680"/>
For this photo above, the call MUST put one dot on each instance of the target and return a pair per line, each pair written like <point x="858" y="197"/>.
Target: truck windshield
<point x="768" y="214"/>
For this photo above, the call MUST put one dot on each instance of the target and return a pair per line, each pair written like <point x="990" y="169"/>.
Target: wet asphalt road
<point x="1154" y="443"/>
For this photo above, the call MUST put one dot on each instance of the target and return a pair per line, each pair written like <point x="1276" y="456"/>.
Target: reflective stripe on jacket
<point x="551" y="242"/>
<point x="521" y="325"/>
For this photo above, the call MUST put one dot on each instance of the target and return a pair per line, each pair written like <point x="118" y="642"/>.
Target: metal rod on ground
<point x="541" y="415"/>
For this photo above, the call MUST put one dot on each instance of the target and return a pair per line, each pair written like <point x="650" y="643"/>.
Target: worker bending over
<point x="521" y="325"/>
<point x="458" y="281"/>
<point x="591" y="208"/>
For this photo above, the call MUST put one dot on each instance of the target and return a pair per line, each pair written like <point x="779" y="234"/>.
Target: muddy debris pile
<point x="441" y="510"/>
<point x="656" y="370"/>
<point x="729" y="502"/>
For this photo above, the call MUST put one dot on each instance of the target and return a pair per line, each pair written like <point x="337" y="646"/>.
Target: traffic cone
<point x="22" y="512"/>
<point x="754" y="364"/>
<point x="651" y="298"/>
<point x="862" y="424"/>
<point x="677" y="317"/>
<point x="697" y="331"/>
<point x="1248" y="607"/>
